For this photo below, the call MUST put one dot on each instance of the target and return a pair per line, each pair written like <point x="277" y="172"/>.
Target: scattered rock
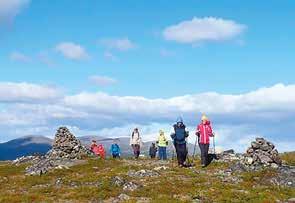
<point x="143" y="200"/>
<point x="161" y="168"/>
<point x="228" y="156"/>
<point x="142" y="173"/>
<point x="117" y="181"/>
<point x="26" y="159"/>
<point x="228" y="176"/>
<point x="130" y="186"/>
<point x="285" y="176"/>
<point x="123" y="197"/>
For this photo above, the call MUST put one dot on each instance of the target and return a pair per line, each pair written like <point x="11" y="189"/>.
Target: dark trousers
<point x="116" y="156"/>
<point x="136" y="150"/>
<point x="162" y="153"/>
<point x="204" y="153"/>
<point x="181" y="153"/>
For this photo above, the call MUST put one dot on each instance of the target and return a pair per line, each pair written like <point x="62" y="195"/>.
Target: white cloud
<point x="72" y="51"/>
<point x="102" y="80"/>
<point x="17" y="56"/>
<point x="11" y="8"/>
<point x="26" y="92"/>
<point x="121" y="44"/>
<point x="277" y="97"/>
<point x="205" y="29"/>
<point x="236" y="119"/>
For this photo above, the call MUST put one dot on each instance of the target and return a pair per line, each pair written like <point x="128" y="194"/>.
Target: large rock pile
<point x="66" y="151"/>
<point x="66" y="146"/>
<point x="261" y="153"/>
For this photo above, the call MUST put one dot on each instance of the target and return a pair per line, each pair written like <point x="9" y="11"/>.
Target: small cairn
<point x="66" y="151"/>
<point x="261" y="153"/>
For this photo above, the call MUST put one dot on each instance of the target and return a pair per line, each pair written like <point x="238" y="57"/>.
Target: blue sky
<point x="153" y="50"/>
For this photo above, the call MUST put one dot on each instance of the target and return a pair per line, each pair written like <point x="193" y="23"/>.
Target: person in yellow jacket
<point x="162" y="145"/>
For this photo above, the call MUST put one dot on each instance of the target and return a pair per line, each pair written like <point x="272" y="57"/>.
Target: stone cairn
<point x="261" y="153"/>
<point x="65" y="152"/>
<point x="66" y="146"/>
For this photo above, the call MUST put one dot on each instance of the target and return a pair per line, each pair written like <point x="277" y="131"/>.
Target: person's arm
<point x="198" y="130"/>
<point x="210" y="131"/>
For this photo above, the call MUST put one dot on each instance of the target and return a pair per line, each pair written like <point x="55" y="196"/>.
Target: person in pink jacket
<point x="204" y="131"/>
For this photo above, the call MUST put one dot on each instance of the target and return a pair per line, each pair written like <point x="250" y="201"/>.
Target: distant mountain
<point x="23" y="146"/>
<point x="39" y="144"/>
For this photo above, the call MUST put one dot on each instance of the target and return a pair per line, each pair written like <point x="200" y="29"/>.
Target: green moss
<point x="185" y="183"/>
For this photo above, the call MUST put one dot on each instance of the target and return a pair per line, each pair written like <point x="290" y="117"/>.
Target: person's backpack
<point x="180" y="135"/>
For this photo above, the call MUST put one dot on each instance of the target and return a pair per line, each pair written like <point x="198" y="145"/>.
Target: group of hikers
<point x="179" y="139"/>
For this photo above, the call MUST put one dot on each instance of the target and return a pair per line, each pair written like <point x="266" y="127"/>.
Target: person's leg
<point x="202" y="154"/>
<point x="164" y="153"/>
<point x="178" y="154"/>
<point x="134" y="150"/>
<point x="138" y="151"/>
<point x="206" y="149"/>
<point x="183" y="153"/>
<point x="114" y="156"/>
<point x="161" y="153"/>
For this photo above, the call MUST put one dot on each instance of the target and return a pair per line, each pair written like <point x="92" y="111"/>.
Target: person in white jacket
<point x="135" y="142"/>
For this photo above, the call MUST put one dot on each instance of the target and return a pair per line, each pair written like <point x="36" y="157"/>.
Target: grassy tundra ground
<point x="92" y="182"/>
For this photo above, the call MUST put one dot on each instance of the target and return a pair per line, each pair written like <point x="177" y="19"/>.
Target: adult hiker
<point x="179" y="140"/>
<point x="135" y="142"/>
<point x="204" y="132"/>
<point x="115" y="150"/>
<point x="153" y="151"/>
<point x="162" y="144"/>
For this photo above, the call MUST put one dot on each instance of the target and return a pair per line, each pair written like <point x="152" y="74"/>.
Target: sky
<point x="105" y="67"/>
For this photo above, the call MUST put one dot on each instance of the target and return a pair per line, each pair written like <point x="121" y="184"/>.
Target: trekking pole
<point x="214" y="143"/>
<point x="197" y="140"/>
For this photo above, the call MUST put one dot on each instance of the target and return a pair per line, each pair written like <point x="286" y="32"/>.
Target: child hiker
<point x="153" y="151"/>
<point x="115" y="150"/>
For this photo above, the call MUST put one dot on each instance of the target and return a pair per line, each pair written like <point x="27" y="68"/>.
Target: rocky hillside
<point x="69" y="173"/>
<point x="95" y="180"/>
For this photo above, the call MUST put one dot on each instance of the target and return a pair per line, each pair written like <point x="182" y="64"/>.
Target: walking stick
<point x="195" y="149"/>
<point x="197" y="140"/>
<point x="214" y="143"/>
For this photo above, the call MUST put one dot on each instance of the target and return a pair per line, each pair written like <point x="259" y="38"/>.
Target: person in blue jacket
<point x="115" y="150"/>
<point x="179" y="140"/>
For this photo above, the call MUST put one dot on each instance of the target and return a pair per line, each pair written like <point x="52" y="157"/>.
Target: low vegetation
<point x="288" y="158"/>
<point x="92" y="182"/>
